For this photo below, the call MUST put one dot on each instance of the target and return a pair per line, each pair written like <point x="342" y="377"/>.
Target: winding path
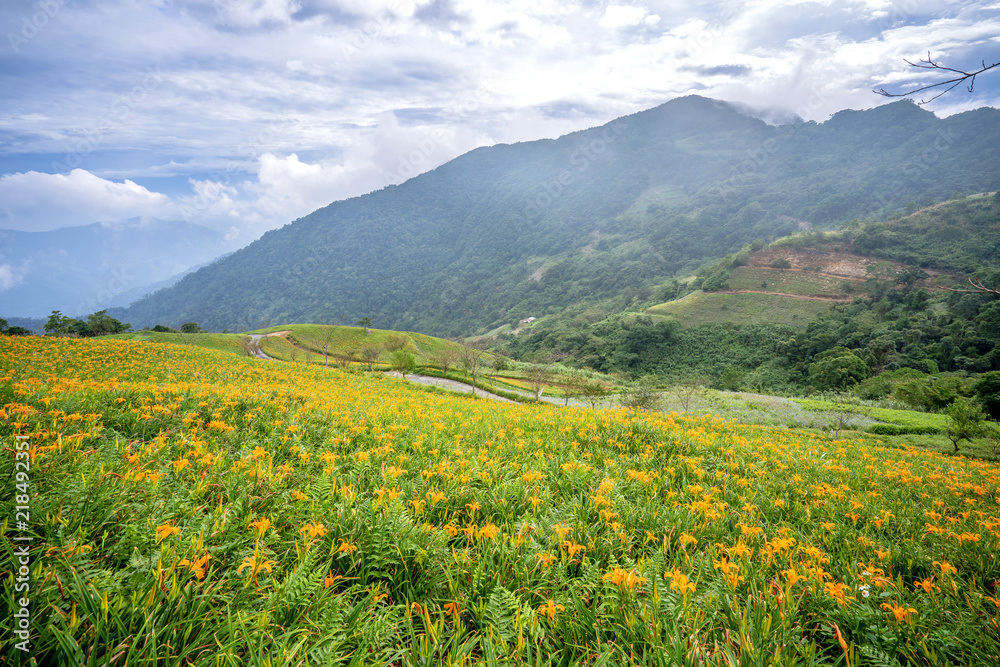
<point x="450" y="385"/>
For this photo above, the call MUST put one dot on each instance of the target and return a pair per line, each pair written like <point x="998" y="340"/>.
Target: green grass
<point x="711" y="308"/>
<point x="344" y="339"/>
<point x="213" y="341"/>
<point x="786" y="282"/>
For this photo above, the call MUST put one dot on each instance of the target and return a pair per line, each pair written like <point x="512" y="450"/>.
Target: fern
<point x="298" y="588"/>
<point x="500" y="611"/>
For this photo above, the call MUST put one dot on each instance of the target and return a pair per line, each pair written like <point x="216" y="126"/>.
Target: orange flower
<point x="197" y="566"/>
<point x="261" y="525"/>
<point x="165" y="531"/>
<point x="902" y="614"/>
<point x="312" y="531"/>
<point x="550" y="608"/>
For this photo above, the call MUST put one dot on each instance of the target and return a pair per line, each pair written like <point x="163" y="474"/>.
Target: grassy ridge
<point x="189" y="507"/>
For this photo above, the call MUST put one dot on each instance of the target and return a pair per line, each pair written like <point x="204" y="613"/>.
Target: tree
<point x="593" y="392"/>
<point x="12" y="331"/>
<point x="58" y="324"/>
<point x="958" y="77"/>
<point x="539" y="372"/>
<point x="781" y="263"/>
<point x="191" y="328"/>
<point x="641" y="394"/>
<point x="403" y="362"/>
<point x="366" y="322"/>
<point x="370" y="354"/>
<point x="102" y="324"/>
<point x="987" y="388"/>
<point x="326" y="340"/>
<point x="836" y="369"/>
<point x="447" y="357"/>
<point x="687" y="390"/>
<point x="471" y="358"/>
<point x="965" y="421"/>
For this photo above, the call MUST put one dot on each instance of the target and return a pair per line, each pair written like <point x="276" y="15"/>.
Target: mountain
<point x="512" y="231"/>
<point x="79" y="270"/>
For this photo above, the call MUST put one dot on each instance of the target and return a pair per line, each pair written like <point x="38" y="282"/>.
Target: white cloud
<point x="625" y="16"/>
<point x="309" y="101"/>
<point x="254" y="13"/>
<point x="11" y="276"/>
<point x="35" y="201"/>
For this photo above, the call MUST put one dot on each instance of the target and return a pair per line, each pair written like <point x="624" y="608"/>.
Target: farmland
<point x="191" y="506"/>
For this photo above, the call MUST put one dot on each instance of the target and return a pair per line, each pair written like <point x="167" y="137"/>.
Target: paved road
<point x="450" y="385"/>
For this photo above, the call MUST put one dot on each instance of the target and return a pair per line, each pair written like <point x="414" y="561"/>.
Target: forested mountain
<point x="893" y="305"/>
<point x="79" y="270"/>
<point x="512" y="231"/>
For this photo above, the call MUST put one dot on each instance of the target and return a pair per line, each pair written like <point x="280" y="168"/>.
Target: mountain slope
<point x="509" y="231"/>
<point x="79" y="270"/>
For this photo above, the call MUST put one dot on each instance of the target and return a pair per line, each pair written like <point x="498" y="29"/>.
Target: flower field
<point x="189" y="506"/>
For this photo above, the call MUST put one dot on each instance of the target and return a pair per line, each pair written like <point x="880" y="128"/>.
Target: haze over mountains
<point x="512" y="231"/>
<point x="79" y="270"/>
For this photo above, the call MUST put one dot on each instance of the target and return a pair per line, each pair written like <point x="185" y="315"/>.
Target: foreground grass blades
<point x="193" y="507"/>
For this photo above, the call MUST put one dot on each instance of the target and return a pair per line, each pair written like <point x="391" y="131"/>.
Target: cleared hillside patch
<point x="804" y="283"/>
<point x="743" y="308"/>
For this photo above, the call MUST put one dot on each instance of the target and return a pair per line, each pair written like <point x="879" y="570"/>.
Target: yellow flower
<point x="679" y="582"/>
<point x="197" y="566"/>
<point x="261" y="525"/>
<point x="165" y="531"/>
<point x="550" y="608"/>
<point x="545" y="559"/>
<point x="838" y="592"/>
<point x="346" y="546"/>
<point x="573" y="548"/>
<point x="312" y="531"/>
<point x="686" y="539"/>
<point x="792" y="576"/>
<point x="255" y="566"/>
<point x="902" y="614"/>
<point x="561" y="530"/>
<point x="946" y="567"/>
<point x="489" y="531"/>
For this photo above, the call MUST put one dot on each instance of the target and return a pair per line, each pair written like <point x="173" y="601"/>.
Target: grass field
<point x="786" y="282"/>
<point x="189" y="506"/>
<point x="713" y="308"/>
<point x="232" y="343"/>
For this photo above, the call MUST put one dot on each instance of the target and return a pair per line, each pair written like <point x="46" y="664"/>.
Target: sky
<point x="243" y="115"/>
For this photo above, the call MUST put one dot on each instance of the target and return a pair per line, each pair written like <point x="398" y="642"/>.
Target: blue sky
<point x="246" y="114"/>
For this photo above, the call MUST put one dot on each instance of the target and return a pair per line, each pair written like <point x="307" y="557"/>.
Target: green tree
<point x="837" y="369"/>
<point x="593" y="392"/>
<point x="641" y="394"/>
<point x="403" y="362"/>
<point x="102" y="324"/>
<point x="987" y="388"/>
<point x="58" y="324"/>
<point x="781" y="263"/>
<point x="190" y="328"/>
<point x="370" y="354"/>
<point x="965" y="421"/>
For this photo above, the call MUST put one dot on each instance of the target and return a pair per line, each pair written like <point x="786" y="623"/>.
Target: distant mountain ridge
<point x="79" y="270"/>
<point x="510" y="231"/>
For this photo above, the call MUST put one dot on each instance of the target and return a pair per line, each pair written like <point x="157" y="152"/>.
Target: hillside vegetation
<point x="192" y="507"/>
<point x="595" y="218"/>
<point x="813" y="311"/>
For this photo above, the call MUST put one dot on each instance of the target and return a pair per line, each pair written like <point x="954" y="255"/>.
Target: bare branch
<point x="962" y="77"/>
<point x="977" y="288"/>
